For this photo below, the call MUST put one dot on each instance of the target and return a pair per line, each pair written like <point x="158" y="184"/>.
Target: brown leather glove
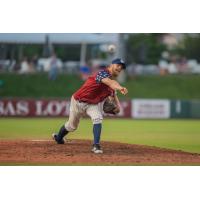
<point x="110" y="107"/>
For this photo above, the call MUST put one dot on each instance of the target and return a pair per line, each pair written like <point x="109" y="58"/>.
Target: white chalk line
<point x="67" y="141"/>
<point x="41" y="140"/>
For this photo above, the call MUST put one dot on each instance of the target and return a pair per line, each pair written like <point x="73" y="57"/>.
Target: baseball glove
<point x="110" y="107"/>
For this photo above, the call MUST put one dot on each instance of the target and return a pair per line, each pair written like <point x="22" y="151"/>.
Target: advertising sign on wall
<point x="150" y="109"/>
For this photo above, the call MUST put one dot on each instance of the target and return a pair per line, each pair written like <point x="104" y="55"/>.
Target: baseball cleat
<point x="96" y="149"/>
<point x="55" y="138"/>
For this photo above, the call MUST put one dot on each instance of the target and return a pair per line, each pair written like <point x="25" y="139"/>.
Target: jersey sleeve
<point x="101" y="75"/>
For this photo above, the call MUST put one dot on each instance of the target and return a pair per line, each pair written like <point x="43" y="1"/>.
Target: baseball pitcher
<point x="91" y="99"/>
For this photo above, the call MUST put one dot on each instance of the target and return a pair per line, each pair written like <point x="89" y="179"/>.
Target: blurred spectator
<point x="15" y="66"/>
<point x="32" y="68"/>
<point x="53" y="71"/>
<point x="26" y="67"/>
<point x="35" y="61"/>
<point x="172" y="68"/>
<point x="4" y="65"/>
<point x="163" y="66"/>
<point x="43" y="65"/>
<point x="72" y="67"/>
<point x="12" y="66"/>
<point x="84" y="72"/>
<point x="182" y="65"/>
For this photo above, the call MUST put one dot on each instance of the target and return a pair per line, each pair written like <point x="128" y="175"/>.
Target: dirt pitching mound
<point x="77" y="152"/>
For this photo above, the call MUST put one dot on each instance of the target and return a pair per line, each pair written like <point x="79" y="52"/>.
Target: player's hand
<point x="124" y="91"/>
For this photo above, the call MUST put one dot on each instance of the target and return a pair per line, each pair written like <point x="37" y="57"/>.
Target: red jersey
<point x="93" y="90"/>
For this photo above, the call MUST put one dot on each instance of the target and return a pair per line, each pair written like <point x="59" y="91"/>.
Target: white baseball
<point x="111" y="48"/>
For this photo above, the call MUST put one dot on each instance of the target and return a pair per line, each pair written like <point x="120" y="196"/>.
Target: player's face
<point x="116" y="69"/>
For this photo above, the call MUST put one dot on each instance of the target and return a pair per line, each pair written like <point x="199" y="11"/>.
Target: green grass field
<point x="174" y="134"/>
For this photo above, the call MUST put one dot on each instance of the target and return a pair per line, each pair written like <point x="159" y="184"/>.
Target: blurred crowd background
<point x="145" y="54"/>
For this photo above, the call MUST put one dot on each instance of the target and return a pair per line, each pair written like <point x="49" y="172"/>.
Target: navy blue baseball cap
<point x="120" y="62"/>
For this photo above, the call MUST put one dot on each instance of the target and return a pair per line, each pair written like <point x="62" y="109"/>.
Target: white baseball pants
<point x="80" y="109"/>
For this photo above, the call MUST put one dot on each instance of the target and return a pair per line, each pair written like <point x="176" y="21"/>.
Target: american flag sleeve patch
<point x="101" y="75"/>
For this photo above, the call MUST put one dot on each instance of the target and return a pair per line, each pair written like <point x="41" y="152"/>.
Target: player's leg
<point x="71" y="125"/>
<point x="96" y="115"/>
<point x="61" y="134"/>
